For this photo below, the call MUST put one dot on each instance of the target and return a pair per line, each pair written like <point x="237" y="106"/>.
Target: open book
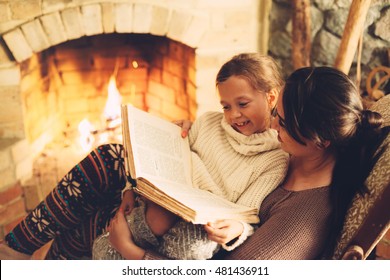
<point x="158" y="160"/>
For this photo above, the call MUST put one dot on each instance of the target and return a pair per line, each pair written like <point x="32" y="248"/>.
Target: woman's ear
<point x="324" y="144"/>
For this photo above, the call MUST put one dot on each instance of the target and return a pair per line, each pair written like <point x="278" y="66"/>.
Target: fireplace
<point x="57" y="58"/>
<point x="71" y="82"/>
<point x="73" y="91"/>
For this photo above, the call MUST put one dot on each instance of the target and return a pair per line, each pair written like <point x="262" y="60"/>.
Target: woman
<point x="321" y="123"/>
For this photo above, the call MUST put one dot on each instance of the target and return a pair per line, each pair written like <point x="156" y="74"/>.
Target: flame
<point x="112" y="109"/>
<point x="86" y="138"/>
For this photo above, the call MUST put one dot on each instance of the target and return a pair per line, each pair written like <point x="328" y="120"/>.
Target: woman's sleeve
<point x="295" y="233"/>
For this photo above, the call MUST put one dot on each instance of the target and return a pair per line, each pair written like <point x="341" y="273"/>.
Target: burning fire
<point x="112" y="110"/>
<point x="86" y="137"/>
<point x="90" y="136"/>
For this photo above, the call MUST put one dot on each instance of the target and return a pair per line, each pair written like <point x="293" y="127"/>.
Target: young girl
<point x="235" y="155"/>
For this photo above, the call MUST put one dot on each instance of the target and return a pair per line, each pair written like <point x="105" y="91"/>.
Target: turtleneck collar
<point x="253" y="144"/>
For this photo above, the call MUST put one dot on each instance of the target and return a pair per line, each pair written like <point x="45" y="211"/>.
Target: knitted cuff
<point x="128" y="187"/>
<point x="248" y="231"/>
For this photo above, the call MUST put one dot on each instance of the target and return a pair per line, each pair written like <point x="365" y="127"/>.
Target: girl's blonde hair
<point x="261" y="71"/>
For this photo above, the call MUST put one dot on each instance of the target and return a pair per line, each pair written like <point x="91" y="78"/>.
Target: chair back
<point x="368" y="218"/>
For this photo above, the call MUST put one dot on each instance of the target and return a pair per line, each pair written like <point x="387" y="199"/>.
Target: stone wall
<point x="328" y="20"/>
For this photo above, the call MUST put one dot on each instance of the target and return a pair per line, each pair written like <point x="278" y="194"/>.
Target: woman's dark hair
<point x="323" y="105"/>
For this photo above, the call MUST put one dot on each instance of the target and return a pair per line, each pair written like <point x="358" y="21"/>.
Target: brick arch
<point x="46" y="30"/>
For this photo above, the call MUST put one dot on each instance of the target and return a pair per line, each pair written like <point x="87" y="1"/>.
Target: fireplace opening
<point x="71" y="92"/>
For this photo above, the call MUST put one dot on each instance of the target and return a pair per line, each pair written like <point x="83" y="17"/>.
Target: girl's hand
<point x="119" y="231"/>
<point x="185" y="126"/>
<point x="224" y="231"/>
<point x="128" y="201"/>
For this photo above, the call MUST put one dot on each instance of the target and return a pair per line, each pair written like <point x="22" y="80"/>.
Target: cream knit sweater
<point x="242" y="169"/>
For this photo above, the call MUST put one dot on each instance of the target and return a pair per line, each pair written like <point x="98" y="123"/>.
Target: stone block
<point x="49" y="6"/>
<point x="155" y="74"/>
<point x="123" y="18"/>
<point x="382" y="26"/>
<point x="129" y="87"/>
<point x="325" y="47"/>
<point x="35" y="36"/>
<point x="10" y="107"/>
<point x="142" y="17"/>
<point x="153" y="102"/>
<point x="160" y="21"/>
<point x="175" y="67"/>
<point x="195" y="30"/>
<point x="182" y="99"/>
<point x="12" y="210"/>
<point x="8" y="177"/>
<point x="108" y="17"/>
<point x="10" y="194"/>
<point x="5" y="58"/>
<point x="55" y="30"/>
<point x="32" y="197"/>
<point x="5" y="159"/>
<point x="14" y="129"/>
<point x="20" y="151"/>
<point x="5" y="14"/>
<point x="25" y="9"/>
<point x="71" y="19"/>
<point x="161" y="91"/>
<point x="178" y="24"/>
<point x="9" y="76"/>
<point x="24" y="169"/>
<point x="18" y="44"/>
<point x="173" y="112"/>
<point x="172" y="81"/>
<point x="132" y="74"/>
<point x="91" y="18"/>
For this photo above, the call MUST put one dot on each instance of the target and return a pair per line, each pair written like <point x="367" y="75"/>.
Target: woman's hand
<point x="224" y="231"/>
<point x="121" y="239"/>
<point x="185" y="126"/>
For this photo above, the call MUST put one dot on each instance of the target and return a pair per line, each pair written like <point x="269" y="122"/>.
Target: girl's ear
<point x="273" y="98"/>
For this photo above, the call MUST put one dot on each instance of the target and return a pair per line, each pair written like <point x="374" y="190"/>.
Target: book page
<point x="197" y="206"/>
<point x="159" y="151"/>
